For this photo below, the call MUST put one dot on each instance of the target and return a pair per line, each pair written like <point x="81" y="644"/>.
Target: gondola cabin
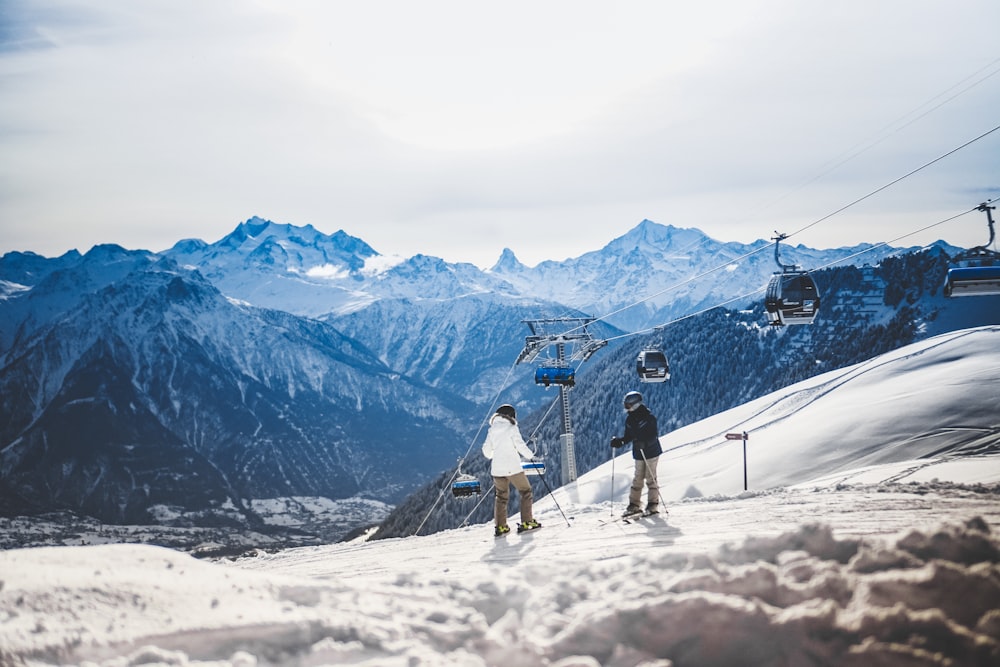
<point x="652" y="366"/>
<point x="533" y="467"/>
<point x="557" y="375"/>
<point x="976" y="271"/>
<point x="465" y="486"/>
<point x="973" y="280"/>
<point x="791" y="298"/>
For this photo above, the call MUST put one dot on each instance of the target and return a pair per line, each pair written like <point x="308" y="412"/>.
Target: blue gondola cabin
<point x="466" y="485"/>
<point x="972" y="281"/>
<point x="533" y="467"/>
<point x="557" y="375"/>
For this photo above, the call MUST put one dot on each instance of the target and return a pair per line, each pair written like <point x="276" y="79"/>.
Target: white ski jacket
<point x="505" y="446"/>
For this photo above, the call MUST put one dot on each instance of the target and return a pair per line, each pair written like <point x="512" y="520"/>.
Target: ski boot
<point x="531" y="524"/>
<point x="631" y="511"/>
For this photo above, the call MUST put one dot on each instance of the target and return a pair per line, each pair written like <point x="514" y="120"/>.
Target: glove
<point x="617" y="442"/>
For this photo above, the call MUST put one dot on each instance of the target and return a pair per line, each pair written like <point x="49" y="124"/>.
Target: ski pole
<point x="551" y="495"/>
<point x="612" y="481"/>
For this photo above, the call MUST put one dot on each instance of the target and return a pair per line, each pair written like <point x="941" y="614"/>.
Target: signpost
<point x="741" y="436"/>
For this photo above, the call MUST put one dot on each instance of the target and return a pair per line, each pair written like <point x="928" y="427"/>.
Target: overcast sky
<point x="456" y="129"/>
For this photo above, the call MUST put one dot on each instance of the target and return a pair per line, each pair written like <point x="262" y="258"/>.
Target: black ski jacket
<point x="641" y="431"/>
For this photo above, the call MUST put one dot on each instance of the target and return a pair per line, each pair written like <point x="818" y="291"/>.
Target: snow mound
<point x="802" y="598"/>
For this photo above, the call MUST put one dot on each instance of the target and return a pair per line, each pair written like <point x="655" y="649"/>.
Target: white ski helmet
<point x="632" y="399"/>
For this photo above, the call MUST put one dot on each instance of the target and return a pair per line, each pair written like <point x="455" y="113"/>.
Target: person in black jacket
<point x="641" y="431"/>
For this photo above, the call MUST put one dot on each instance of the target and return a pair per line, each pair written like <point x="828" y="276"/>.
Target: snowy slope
<point x="936" y="397"/>
<point x="879" y="580"/>
<point x="874" y="556"/>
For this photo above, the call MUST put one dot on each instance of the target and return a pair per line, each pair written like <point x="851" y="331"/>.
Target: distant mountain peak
<point x="104" y="252"/>
<point x="352" y="244"/>
<point x="661" y="236"/>
<point x="508" y="263"/>
<point x="189" y="246"/>
<point x="251" y="230"/>
<point x="306" y="236"/>
<point x="254" y="226"/>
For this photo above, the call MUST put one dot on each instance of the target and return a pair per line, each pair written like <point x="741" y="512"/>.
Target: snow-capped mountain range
<point x="432" y="320"/>
<point x="306" y="272"/>
<point x="195" y="384"/>
<point x="674" y="271"/>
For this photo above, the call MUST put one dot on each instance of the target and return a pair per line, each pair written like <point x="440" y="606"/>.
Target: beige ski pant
<point x="523" y="486"/>
<point x="645" y="473"/>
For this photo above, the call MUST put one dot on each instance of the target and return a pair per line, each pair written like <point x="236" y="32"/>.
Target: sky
<point x="883" y="550"/>
<point x="458" y="129"/>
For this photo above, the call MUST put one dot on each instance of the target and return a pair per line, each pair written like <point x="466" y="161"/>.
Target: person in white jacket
<point x="505" y="447"/>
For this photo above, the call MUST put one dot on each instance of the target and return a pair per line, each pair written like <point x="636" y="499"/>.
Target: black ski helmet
<point x="507" y="411"/>
<point x="632" y="399"/>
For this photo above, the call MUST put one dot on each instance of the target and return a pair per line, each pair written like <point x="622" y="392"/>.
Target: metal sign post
<point x="741" y="436"/>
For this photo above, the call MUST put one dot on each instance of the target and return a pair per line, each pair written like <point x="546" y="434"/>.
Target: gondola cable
<point x="732" y="261"/>
<point x="885" y="132"/>
<point x="664" y="325"/>
<point x="660" y="327"/>
<point x="806" y="227"/>
<point x="458" y="468"/>
<point x="894" y="182"/>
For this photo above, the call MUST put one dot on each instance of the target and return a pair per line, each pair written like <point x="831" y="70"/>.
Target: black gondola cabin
<point x="791" y="298"/>
<point x="652" y="366"/>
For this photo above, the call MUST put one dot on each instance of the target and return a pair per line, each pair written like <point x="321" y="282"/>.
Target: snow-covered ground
<point x="870" y="535"/>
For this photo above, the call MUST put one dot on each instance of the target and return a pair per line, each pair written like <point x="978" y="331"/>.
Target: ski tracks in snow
<point x="695" y="525"/>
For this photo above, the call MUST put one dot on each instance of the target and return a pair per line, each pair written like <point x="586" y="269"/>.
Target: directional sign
<point x="741" y="436"/>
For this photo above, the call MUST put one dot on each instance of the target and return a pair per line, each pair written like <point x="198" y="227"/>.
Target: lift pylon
<point x="573" y="343"/>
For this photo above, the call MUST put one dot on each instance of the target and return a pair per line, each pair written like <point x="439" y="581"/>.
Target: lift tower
<point x="573" y="342"/>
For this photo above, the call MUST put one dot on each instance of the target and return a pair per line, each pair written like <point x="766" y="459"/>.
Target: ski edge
<point x="632" y="518"/>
